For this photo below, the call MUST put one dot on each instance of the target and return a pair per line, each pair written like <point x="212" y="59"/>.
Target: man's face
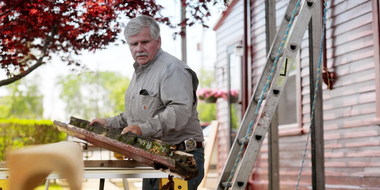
<point x="143" y="47"/>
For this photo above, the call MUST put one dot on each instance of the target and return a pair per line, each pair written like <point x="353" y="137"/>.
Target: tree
<point x="24" y="100"/>
<point x="31" y="31"/>
<point x="206" y="77"/>
<point x="92" y="95"/>
<point x="207" y="112"/>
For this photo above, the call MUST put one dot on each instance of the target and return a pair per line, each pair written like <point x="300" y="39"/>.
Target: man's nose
<point x="139" y="47"/>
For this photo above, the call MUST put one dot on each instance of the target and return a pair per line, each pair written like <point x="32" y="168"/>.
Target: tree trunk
<point x="35" y="66"/>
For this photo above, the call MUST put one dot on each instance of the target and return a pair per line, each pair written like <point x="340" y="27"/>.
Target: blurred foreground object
<point x="29" y="167"/>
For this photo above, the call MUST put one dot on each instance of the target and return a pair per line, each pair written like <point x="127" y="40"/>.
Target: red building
<point x="351" y="99"/>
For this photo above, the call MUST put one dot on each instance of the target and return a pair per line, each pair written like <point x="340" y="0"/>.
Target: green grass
<point x="51" y="187"/>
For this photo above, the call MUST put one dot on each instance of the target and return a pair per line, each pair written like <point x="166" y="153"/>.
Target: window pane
<point x="287" y="107"/>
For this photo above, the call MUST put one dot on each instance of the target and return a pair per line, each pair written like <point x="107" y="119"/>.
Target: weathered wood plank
<point x="152" y="152"/>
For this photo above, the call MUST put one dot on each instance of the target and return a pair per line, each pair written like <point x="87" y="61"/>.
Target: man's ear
<point x="159" y="42"/>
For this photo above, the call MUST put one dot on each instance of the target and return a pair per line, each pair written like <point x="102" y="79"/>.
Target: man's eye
<point x="133" y="44"/>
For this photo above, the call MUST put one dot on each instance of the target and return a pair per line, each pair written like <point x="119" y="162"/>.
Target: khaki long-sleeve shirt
<point x="161" y="100"/>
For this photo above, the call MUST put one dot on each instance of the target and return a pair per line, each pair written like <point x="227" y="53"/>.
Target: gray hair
<point x="136" y="24"/>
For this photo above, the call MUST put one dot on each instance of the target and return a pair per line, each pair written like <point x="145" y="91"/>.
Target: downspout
<point x="245" y="75"/>
<point x="376" y="49"/>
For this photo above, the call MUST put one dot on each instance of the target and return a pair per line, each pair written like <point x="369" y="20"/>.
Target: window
<point x="234" y="85"/>
<point x="235" y="69"/>
<point x="289" y="101"/>
<point x="235" y="61"/>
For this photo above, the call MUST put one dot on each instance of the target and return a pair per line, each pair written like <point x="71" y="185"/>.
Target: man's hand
<point x="132" y="128"/>
<point x="101" y="121"/>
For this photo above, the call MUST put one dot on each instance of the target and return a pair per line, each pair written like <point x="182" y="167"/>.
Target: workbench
<point x="105" y="169"/>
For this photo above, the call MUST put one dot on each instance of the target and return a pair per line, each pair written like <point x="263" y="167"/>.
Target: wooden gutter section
<point x="157" y="154"/>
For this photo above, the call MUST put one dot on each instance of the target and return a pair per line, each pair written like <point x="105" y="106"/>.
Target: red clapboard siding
<point x="352" y="142"/>
<point x="229" y="30"/>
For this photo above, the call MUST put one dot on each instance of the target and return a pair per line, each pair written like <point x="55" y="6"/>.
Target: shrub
<point x="16" y="133"/>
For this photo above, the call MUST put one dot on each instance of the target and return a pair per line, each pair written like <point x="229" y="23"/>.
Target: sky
<point x="119" y="59"/>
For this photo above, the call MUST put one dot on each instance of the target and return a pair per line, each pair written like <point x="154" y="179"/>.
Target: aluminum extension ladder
<point x="260" y="120"/>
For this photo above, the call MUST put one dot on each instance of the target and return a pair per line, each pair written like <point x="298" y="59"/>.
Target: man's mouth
<point x="141" y="57"/>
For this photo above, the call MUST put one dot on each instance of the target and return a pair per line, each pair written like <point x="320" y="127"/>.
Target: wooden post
<point x="209" y="149"/>
<point x="273" y="155"/>
<point x="317" y="142"/>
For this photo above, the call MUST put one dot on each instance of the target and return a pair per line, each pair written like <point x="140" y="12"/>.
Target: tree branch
<point x="53" y="31"/>
<point x="6" y="12"/>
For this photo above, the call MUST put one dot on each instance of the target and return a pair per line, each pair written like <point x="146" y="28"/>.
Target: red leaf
<point x="26" y="25"/>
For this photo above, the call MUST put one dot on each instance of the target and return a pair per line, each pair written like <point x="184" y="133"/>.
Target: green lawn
<point x="51" y="187"/>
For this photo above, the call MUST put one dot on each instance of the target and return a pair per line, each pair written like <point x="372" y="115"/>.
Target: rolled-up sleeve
<point x="119" y="121"/>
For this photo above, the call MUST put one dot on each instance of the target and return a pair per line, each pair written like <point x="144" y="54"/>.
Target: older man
<point x="160" y="101"/>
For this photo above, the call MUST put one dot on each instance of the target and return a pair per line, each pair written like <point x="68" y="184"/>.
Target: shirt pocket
<point x="148" y="106"/>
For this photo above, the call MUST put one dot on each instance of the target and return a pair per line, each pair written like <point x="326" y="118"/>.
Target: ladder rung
<point x="257" y="98"/>
<point x="272" y="57"/>
<point x="239" y="183"/>
<point x="288" y="15"/>
<point x="240" y="141"/>
<point x="309" y="3"/>
<point x="225" y="184"/>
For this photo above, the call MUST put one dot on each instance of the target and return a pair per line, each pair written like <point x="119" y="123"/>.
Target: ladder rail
<point x="258" y="135"/>
<point x="274" y="49"/>
<point x="268" y="107"/>
<point x="250" y="112"/>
